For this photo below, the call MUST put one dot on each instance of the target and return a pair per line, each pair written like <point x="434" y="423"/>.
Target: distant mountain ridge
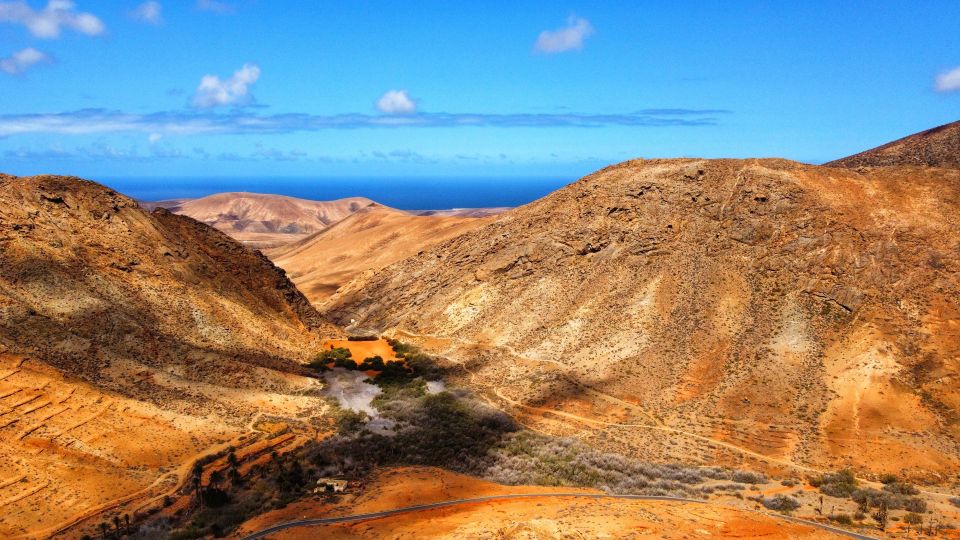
<point x="264" y="219"/>
<point x="364" y="241"/>
<point x="937" y="147"/>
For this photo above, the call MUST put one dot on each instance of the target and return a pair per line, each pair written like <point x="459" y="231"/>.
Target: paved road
<point x="455" y="502"/>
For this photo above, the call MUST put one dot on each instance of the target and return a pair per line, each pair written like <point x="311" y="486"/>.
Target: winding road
<point x="457" y="502"/>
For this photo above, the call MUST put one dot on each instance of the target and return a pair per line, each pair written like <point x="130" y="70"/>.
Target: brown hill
<point x="131" y="343"/>
<point x="265" y="219"/>
<point x="710" y="310"/>
<point x="937" y="147"/>
<point x="367" y="240"/>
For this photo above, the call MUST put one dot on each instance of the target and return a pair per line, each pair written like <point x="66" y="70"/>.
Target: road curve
<point x="455" y="502"/>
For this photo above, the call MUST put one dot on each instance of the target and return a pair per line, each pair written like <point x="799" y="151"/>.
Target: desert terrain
<point x="743" y="334"/>
<point x="746" y="312"/>
<point x="131" y="345"/>
<point x="367" y="240"/>
<point x="936" y="147"/>
<point x="262" y="220"/>
<point x="542" y="518"/>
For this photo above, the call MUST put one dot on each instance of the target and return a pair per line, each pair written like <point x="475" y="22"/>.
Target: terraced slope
<point x="709" y="310"/>
<point x="131" y="343"/>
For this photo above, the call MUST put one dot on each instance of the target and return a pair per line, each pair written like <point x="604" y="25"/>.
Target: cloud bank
<point x="214" y="92"/>
<point x="396" y="102"/>
<point x="48" y="22"/>
<point x="92" y="121"/>
<point x="568" y="38"/>
<point x="948" y="81"/>
<point x="22" y="60"/>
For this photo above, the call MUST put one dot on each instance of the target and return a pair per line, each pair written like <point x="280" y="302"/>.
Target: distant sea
<point x="406" y="193"/>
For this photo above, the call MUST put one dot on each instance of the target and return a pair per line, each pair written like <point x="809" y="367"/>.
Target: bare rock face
<point x="807" y="313"/>
<point x="93" y="285"/>
<point x="937" y="147"/>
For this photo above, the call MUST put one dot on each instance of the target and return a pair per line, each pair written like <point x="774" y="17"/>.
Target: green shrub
<point x="345" y="363"/>
<point x="325" y="357"/>
<point x="373" y="363"/>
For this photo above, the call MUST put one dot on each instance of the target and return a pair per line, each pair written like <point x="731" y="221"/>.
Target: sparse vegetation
<point x="334" y="355"/>
<point x="780" y="503"/>
<point x="955" y="501"/>
<point x="841" y="484"/>
<point x="841" y="519"/>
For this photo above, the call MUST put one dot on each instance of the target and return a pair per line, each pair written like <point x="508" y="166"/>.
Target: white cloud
<point x="149" y="12"/>
<point x="568" y="38"/>
<point x="21" y="61"/>
<point x="48" y="22"/>
<point x="396" y="102"/>
<point x="214" y="6"/>
<point x="949" y="81"/>
<point x="154" y="138"/>
<point x="214" y="92"/>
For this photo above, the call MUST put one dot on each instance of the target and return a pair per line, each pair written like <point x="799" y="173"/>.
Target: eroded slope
<point x="131" y="343"/>
<point x="937" y="147"/>
<point x="368" y="240"/>
<point x="708" y="309"/>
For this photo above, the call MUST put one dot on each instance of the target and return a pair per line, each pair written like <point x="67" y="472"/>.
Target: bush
<point x="781" y="503"/>
<point x="373" y="363"/>
<point x="842" y="519"/>
<point x="363" y="338"/>
<point x="746" y="477"/>
<point x="915" y="504"/>
<point x="325" y="357"/>
<point x="913" y="518"/>
<point x="345" y="363"/>
<point x="841" y="484"/>
<point x="900" y="488"/>
<point x="888" y="478"/>
<point x="955" y="501"/>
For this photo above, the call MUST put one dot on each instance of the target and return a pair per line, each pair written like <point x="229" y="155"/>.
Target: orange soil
<point x="546" y="518"/>
<point x="364" y="349"/>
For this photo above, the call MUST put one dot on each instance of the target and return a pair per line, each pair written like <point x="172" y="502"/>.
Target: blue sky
<point x="363" y="88"/>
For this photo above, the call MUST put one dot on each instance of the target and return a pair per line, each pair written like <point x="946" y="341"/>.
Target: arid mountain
<point x="937" y="147"/>
<point x="367" y="240"/>
<point x="758" y="311"/>
<point x="130" y="344"/>
<point x="263" y="219"/>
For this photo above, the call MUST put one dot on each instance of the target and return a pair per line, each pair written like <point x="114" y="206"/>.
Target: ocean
<point x="406" y="193"/>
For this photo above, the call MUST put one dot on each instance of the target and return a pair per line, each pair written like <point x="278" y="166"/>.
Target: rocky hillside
<point x="804" y="313"/>
<point x="937" y="147"/>
<point x="265" y="219"/>
<point x="131" y="345"/>
<point x="89" y="280"/>
<point x="367" y="240"/>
